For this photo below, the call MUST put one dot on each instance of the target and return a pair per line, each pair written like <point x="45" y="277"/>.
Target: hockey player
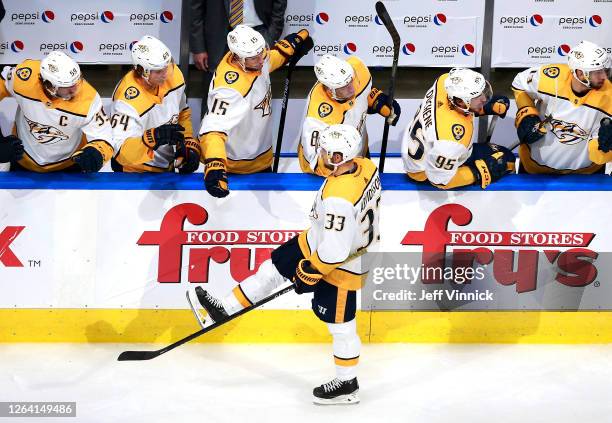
<point x="437" y="146"/>
<point x="151" y="119"/>
<point x="60" y="124"/>
<point x="236" y="132"/>
<point x="560" y="109"/>
<point x="324" y="259"/>
<point x="343" y="94"/>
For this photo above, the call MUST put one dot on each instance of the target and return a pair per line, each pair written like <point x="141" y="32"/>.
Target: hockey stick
<point x="281" y="124"/>
<point x="491" y="128"/>
<point x="381" y="11"/>
<point x="148" y="355"/>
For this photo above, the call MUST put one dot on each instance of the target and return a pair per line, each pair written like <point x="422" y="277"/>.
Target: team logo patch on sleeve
<point x="131" y="93"/>
<point x="458" y="131"/>
<point x="231" y="77"/>
<point x="325" y="109"/>
<point x="551" y="72"/>
<point x="24" y="73"/>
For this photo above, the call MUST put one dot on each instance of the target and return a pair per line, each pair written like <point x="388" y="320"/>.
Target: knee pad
<point x="263" y="282"/>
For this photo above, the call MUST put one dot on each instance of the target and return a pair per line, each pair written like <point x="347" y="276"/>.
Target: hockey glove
<point x="215" y="178"/>
<point x="490" y="169"/>
<point x="187" y="157"/>
<point x="297" y="44"/>
<point x="306" y="277"/>
<point x="530" y="130"/>
<point x="497" y="105"/>
<point x="89" y="159"/>
<point x="169" y="134"/>
<point x="604" y="136"/>
<point x="11" y="149"/>
<point x="378" y="104"/>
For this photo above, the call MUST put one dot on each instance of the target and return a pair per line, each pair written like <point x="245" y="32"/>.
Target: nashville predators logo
<point x="231" y="77"/>
<point x="551" y="72"/>
<point x="45" y="134"/>
<point x="458" y="131"/>
<point x="568" y="133"/>
<point x="325" y="109"/>
<point x="131" y="93"/>
<point x="24" y="73"/>
<point x="266" y="104"/>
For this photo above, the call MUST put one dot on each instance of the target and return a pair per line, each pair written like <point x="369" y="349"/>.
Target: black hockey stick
<point x="281" y="124"/>
<point x="381" y="11"/>
<point x="491" y="128"/>
<point x="148" y="355"/>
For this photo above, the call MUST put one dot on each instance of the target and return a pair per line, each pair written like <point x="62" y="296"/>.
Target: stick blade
<point x="137" y="355"/>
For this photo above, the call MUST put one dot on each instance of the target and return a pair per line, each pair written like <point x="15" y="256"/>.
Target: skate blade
<point x="349" y="399"/>
<point x="199" y="314"/>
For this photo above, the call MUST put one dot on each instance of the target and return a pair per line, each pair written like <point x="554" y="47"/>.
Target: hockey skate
<point x="337" y="392"/>
<point x="205" y="305"/>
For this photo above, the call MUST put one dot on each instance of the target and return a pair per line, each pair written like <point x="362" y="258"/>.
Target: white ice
<point x="273" y="383"/>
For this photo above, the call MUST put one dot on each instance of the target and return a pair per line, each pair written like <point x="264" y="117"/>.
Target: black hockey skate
<point x="210" y="305"/>
<point x="337" y="392"/>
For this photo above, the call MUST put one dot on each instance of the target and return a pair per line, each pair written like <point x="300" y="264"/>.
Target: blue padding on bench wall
<point x="278" y="182"/>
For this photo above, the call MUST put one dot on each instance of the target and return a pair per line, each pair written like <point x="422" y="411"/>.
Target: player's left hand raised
<point x="497" y="105"/>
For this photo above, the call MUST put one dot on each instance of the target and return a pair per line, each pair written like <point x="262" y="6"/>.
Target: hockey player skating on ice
<point x="325" y="259"/>
<point x="236" y="132"/>
<point x="343" y="94"/>
<point x="437" y="146"/>
<point x="151" y="119"/>
<point x="560" y="109"/>
<point x="60" y="124"/>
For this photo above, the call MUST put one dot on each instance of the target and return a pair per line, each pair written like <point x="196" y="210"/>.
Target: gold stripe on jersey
<point x="450" y="124"/>
<point x="560" y="86"/>
<point x="258" y="164"/>
<point x="531" y="166"/>
<point x="596" y="155"/>
<point x="30" y="164"/>
<point x="305" y="166"/>
<point x="231" y="75"/>
<point x="143" y="167"/>
<point x="350" y="186"/>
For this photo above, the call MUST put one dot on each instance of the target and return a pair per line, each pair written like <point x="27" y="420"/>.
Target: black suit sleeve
<point x="197" y="41"/>
<point x="277" y="19"/>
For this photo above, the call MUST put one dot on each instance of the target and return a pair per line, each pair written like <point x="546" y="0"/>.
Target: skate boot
<point x="337" y="392"/>
<point x="203" y="304"/>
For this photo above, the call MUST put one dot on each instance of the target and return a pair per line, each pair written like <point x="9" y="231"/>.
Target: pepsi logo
<point x="439" y="19"/>
<point x="166" y="16"/>
<point x="107" y="16"/>
<point x="350" y="48"/>
<point x="467" y="49"/>
<point x="48" y="16"/>
<point x="536" y="20"/>
<point x="378" y="20"/>
<point x="563" y="50"/>
<point x="17" y="46"/>
<point x="322" y="18"/>
<point x="595" y="21"/>
<point x="408" y="49"/>
<point x="76" y="47"/>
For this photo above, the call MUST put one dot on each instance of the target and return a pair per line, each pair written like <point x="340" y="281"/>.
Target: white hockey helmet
<point x="465" y="84"/>
<point x="587" y="57"/>
<point x="333" y="72"/>
<point x="339" y="139"/>
<point x="150" y="54"/>
<point x="59" y="71"/>
<point x="244" y="42"/>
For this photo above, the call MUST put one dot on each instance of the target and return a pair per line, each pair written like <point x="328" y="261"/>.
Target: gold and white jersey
<point x="53" y="129"/>
<point x="439" y="140"/>
<point x="137" y="108"/>
<point x="572" y="121"/>
<point x="322" y="110"/>
<point x="344" y="223"/>
<point x="238" y="125"/>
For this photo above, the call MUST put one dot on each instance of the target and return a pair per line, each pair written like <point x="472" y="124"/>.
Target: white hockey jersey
<point x="344" y="223"/>
<point x="135" y="109"/>
<point x="439" y="140"/>
<point x="322" y="110"/>
<point x="238" y="125"/>
<point x="570" y="145"/>
<point x="53" y="129"/>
